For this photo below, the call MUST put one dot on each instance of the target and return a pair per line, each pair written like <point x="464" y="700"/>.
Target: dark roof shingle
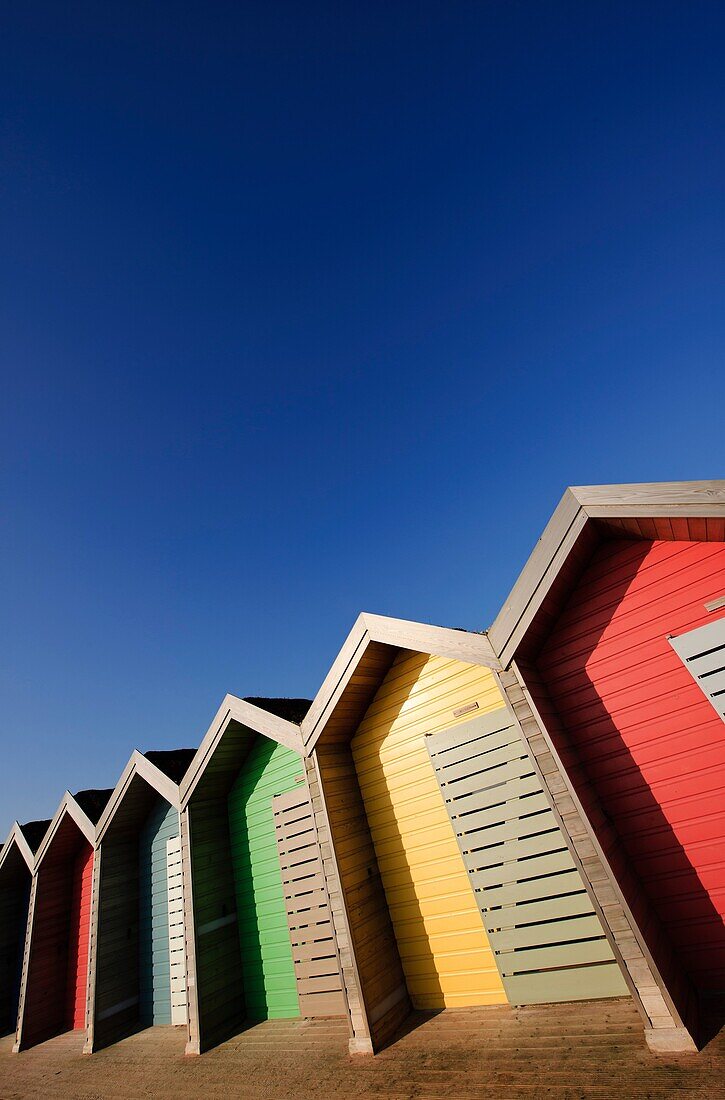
<point x="292" y="710"/>
<point x="93" y="803"/>
<point x="172" y="762"/>
<point x="34" y="831"/>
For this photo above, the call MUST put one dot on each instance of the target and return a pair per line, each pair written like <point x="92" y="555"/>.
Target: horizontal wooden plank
<point x="581" y="983"/>
<point x="520" y="851"/>
<point x="556" y="931"/>
<point x="480" y="813"/>
<point x="556" y="956"/>
<point x="514" y="852"/>
<point x="453" y="786"/>
<point x="315" y="958"/>
<point x="550" y="909"/>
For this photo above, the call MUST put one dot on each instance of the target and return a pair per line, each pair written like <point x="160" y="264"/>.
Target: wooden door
<point x="549" y="944"/>
<point x="177" y="956"/>
<point x="314" y="952"/>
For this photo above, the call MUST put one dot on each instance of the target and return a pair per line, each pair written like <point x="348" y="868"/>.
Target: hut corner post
<point x="360" y="1041"/>
<point x="92" y="956"/>
<point x="18" y="1044"/>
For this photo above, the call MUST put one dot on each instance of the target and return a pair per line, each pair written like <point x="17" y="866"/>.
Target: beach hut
<point x="55" y="964"/>
<point x="137" y="972"/>
<point x="260" y="940"/>
<point x="17" y="859"/>
<point x="453" y="885"/>
<point x="612" y="644"/>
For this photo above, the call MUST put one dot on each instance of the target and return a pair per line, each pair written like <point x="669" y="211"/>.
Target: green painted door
<point x="270" y="988"/>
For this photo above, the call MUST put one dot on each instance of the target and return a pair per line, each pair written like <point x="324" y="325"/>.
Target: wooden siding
<point x="644" y="733"/>
<point x="115" y="940"/>
<point x="309" y="919"/>
<point x="14" y="899"/>
<point x="269" y="976"/>
<point x="154" y="959"/>
<point x="548" y="941"/>
<point x="214" y="961"/>
<point x="375" y="986"/>
<point x="442" y="942"/>
<point x="78" y="939"/>
<point x="360" y="1040"/>
<point x="129" y="970"/>
<point x="686" y="510"/>
<point x="348" y="689"/>
<point x="55" y="941"/>
<point x="660" y="989"/>
<point x="365" y="658"/>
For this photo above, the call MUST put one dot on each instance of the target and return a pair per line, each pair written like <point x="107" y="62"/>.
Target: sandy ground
<point x="571" y="1052"/>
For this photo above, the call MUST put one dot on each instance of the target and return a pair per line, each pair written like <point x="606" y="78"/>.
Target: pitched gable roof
<point x="365" y="659"/>
<point x="140" y="782"/>
<point x="64" y="834"/>
<point x="682" y="510"/>
<point x="15" y="854"/>
<point x="233" y="730"/>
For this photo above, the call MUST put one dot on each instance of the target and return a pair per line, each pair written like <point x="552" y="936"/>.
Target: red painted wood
<point x="80" y="919"/>
<point x="55" y="984"/>
<point x="650" y="742"/>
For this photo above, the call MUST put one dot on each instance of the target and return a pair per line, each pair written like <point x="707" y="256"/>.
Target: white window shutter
<point x="702" y="652"/>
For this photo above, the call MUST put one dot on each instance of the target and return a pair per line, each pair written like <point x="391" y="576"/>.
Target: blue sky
<point x="314" y="308"/>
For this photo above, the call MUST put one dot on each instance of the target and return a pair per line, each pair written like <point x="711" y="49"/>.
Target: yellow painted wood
<point x="441" y="937"/>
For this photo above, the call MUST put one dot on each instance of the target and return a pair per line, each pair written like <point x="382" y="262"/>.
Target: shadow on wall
<point x="664" y="871"/>
<point x="153" y="954"/>
<point x="13" y="924"/>
<point x="419" y="967"/>
<point x="414" y="918"/>
<point x="145" y="956"/>
<point x="44" y="1014"/>
<point x="398" y="881"/>
<point x="219" y="979"/>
